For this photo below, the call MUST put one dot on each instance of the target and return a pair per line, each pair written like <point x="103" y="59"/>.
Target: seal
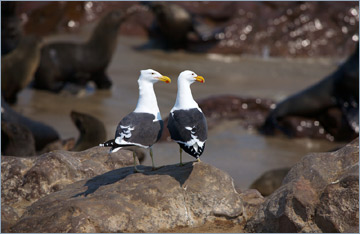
<point x="92" y="131"/>
<point x="173" y="22"/>
<point x="16" y="140"/>
<point x="176" y="25"/>
<point x="11" y="30"/>
<point x="339" y="90"/>
<point x="19" y="66"/>
<point x="63" y="62"/>
<point x="42" y="133"/>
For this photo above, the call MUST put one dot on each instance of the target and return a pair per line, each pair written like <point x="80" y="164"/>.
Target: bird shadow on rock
<point x="179" y="173"/>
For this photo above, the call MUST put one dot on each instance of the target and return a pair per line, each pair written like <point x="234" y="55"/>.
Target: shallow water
<point x="244" y="154"/>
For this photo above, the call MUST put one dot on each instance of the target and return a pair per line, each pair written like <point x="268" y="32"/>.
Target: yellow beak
<point x="200" y="79"/>
<point x="165" y="79"/>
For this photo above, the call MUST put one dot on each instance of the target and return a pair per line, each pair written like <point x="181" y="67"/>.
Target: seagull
<point x="187" y="123"/>
<point x="143" y="126"/>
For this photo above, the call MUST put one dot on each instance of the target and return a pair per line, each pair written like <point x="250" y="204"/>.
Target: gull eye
<point x="152" y="73"/>
<point x="193" y="74"/>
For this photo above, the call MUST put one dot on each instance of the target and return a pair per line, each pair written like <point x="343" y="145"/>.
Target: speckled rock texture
<point x="26" y="179"/>
<point x="92" y="191"/>
<point x="123" y="201"/>
<point x="319" y="194"/>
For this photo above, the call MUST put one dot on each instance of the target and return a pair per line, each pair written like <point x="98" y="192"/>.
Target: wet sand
<point x="244" y="154"/>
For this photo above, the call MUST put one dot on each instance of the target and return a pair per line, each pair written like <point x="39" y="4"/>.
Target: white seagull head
<point x="190" y="77"/>
<point x="152" y="76"/>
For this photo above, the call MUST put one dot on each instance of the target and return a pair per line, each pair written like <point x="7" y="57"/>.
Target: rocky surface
<point x="121" y="201"/>
<point x="269" y="181"/>
<point x="252" y="200"/>
<point x="91" y="191"/>
<point x="8" y="217"/>
<point x="319" y="194"/>
<point x="26" y="179"/>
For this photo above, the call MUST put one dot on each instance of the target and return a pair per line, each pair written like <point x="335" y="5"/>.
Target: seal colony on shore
<point x="187" y="123"/>
<point x="143" y="126"/>
<point x="79" y="63"/>
<point x="18" y="67"/>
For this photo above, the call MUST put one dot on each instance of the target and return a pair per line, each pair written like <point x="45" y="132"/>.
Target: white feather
<point x="147" y="102"/>
<point x="115" y="150"/>
<point x="184" y="98"/>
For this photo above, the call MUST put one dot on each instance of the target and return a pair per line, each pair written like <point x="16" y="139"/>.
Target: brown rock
<point x="8" y="218"/>
<point x="25" y="180"/>
<point x="344" y="213"/>
<point x="271" y="180"/>
<point x="319" y="194"/>
<point x="252" y="200"/>
<point x="121" y="201"/>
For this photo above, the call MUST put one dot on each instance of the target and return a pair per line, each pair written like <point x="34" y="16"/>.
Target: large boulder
<point x="8" y="217"/>
<point x="270" y="180"/>
<point x="252" y="200"/>
<point x="26" y="179"/>
<point x="319" y="194"/>
<point x="123" y="201"/>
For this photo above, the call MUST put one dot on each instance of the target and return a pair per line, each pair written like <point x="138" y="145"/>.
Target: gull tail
<point x="111" y="143"/>
<point x="114" y="146"/>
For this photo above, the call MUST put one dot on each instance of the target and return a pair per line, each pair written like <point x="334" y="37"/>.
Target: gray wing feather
<point x="180" y="119"/>
<point x="139" y="128"/>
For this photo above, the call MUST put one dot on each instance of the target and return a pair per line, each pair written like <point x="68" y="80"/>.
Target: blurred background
<point x="252" y="55"/>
